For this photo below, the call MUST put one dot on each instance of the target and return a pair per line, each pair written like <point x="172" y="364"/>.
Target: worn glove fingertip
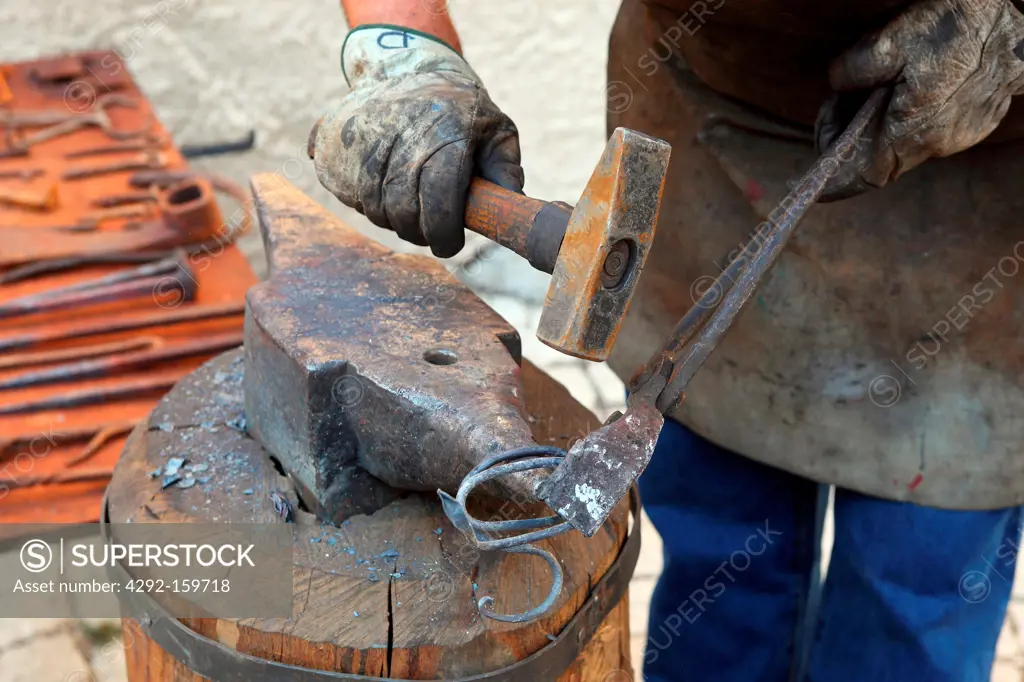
<point x="507" y="175"/>
<point x="874" y="61"/>
<point x="444" y="183"/>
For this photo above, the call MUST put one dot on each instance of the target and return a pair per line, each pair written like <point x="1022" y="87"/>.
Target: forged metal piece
<point x="198" y="151"/>
<point x="145" y="161"/>
<point x="362" y="360"/>
<point x="30" y="359"/>
<point x="112" y="364"/>
<point x="121" y="390"/>
<point x="153" y="279"/>
<point x="180" y="315"/>
<point x="479" y="532"/>
<point x="600" y="469"/>
<point x="65" y="122"/>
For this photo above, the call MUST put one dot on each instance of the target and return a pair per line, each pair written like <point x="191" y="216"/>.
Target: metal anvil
<point x="363" y="361"/>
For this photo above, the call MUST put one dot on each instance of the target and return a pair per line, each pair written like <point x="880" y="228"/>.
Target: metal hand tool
<point x="142" y="320"/>
<point x="116" y="212"/>
<point x="113" y="200"/>
<point x="189" y="215"/>
<point x="31" y="480"/>
<point x="149" y="143"/>
<point x="24" y="174"/>
<point x="594" y="252"/>
<point x="197" y="151"/>
<point x="164" y="179"/>
<point x="6" y="96"/>
<point x="36" y="201"/>
<point x="95" y="72"/>
<point x="64" y="122"/>
<point x="145" y="161"/>
<point x="98" y="437"/>
<point x="121" y="390"/>
<point x="48" y="267"/>
<point x="83" y="225"/>
<point x="47" y="357"/>
<point x="95" y="436"/>
<point x="170" y="264"/>
<point x="154" y="281"/>
<point x="132" y="359"/>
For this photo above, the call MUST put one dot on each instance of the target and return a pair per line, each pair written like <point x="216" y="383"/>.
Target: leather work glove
<point x="953" y="65"/>
<point x="405" y="143"/>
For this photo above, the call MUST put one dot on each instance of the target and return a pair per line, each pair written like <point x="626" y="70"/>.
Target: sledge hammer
<point x="593" y="252"/>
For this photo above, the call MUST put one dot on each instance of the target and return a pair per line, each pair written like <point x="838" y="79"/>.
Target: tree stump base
<point x="391" y="594"/>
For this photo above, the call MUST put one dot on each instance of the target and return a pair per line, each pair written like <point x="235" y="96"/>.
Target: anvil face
<point x="363" y="364"/>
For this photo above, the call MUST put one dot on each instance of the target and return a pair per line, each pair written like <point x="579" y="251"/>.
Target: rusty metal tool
<point x="46" y="357"/>
<point x="61" y="477"/>
<point x="177" y="260"/>
<point x="31" y="480"/>
<point x="110" y="365"/>
<point x="594" y="252"/>
<point x="122" y="390"/>
<point x="145" y="161"/>
<point x="24" y="174"/>
<point x="80" y="74"/>
<point x="36" y="201"/>
<point x="115" y="212"/>
<point x="149" y="143"/>
<point x="83" y="225"/>
<point x="48" y="267"/>
<point x="142" y="320"/>
<point x="6" y="96"/>
<point x="113" y="200"/>
<point x="188" y="212"/>
<point x="95" y="437"/>
<point x="198" y="151"/>
<point x="167" y="282"/>
<point x="58" y="123"/>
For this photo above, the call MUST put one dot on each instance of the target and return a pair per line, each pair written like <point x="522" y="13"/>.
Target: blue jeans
<point x="912" y="594"/>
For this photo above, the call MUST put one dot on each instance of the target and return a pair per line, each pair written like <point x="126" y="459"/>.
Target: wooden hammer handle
<point x="532" y="228"/>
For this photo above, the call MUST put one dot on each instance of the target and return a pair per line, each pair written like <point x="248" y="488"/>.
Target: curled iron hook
<point x="524" y="531"/>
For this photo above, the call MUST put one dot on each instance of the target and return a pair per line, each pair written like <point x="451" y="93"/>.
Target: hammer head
<point x="605" y="247"/>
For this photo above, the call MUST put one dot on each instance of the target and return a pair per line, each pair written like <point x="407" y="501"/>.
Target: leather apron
<point x="885" y="352"/>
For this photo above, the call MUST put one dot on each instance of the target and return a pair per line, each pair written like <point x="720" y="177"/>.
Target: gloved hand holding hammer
<point x="417" y="126"/>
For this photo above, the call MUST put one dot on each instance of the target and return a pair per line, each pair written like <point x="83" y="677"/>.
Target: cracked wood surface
<point x="389" y="594"/>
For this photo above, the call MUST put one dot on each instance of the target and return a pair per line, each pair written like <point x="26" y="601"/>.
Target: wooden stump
<point x="411" y="616"/>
